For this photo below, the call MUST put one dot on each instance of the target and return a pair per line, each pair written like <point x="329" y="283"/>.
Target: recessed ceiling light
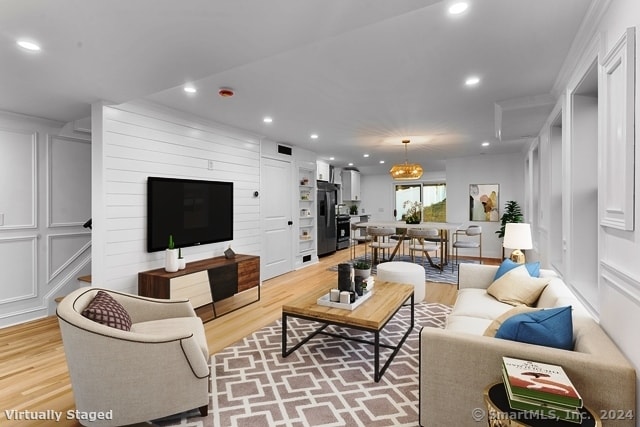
<point x="458" y="8"/>
<point x="25" y="44"/>
<point x="350" y="164"/>
<point x="314" y="136"/>
<point x="332" y="158"/>
<point x="472" y="81"/>
<point x="381" y="162"/>
<point x="190" y="89"/>
<point x="486" y="144"/>
<point x="267" y="120"/>
<point x="365" y="155"/>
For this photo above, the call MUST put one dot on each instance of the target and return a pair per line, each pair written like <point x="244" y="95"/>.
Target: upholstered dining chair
<point x="133" y="358"/>
<point x="357" y="237"/>
<point x="469" y="238"/>
<point x="380" y="241"/>
<point x="419" y="242"/>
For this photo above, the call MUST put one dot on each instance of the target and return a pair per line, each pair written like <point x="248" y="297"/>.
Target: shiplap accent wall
<point x="138" y="140"/>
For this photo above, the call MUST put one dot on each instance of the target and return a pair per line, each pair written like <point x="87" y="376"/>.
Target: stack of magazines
<point x="541" y="388"/>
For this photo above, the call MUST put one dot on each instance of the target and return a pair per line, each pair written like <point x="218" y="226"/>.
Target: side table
<point x="500" y="414"/>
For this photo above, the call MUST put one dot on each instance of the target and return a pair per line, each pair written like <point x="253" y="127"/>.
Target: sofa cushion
<point x="551" y="327"/>
<point x="173" y="326"/>
<point x="466" y="324"/>
<point x="495" y="325"/>
<point x="508" y="265"/>
<point x="518" y="287"/>
<point x="104" y="309"/>
<point x="477" y="303"/>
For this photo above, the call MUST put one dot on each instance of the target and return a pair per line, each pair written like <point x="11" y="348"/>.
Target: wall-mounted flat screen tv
<point x="194" y="212"/>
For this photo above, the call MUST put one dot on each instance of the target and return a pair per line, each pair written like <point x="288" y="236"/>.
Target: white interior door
<point x="277" y="254"/>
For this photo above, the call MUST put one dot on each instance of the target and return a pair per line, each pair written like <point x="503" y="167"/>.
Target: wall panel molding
<point x="617" y="157"/>
<point x="68" y="165"/>
<point x="54" y="270"/>
<point x="620" y="281"/>
<point x="30" y="259"/>
<point x="13" y="176"/>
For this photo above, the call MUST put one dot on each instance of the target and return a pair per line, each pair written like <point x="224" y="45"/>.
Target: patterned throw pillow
<point x="107" y="311"/>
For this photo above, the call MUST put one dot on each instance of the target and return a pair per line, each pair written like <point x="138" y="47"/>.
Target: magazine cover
<point x="542" y="381"/>
<point x="539" y="407"/>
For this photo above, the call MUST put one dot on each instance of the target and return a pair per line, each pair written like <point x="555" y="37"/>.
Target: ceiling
<point x="361" y="74"/>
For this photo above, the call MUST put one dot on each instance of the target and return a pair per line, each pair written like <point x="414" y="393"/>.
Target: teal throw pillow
<point x="550" y="327"/>
<point x="507" y="265"/>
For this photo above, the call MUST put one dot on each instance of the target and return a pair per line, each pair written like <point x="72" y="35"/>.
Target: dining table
<point x="445" y="230"/>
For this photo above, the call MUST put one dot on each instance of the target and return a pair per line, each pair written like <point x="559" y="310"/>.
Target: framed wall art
<point x="484" y="202"/>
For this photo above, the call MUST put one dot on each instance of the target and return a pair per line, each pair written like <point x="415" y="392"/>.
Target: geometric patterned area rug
<point x="431" y="274"/>
<point x="328" y="381"/>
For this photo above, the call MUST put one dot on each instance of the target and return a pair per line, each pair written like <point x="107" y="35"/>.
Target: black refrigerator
<point x="327" y="234"/>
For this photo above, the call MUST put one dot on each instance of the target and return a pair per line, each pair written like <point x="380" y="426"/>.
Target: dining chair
<point x="469" y="238"/>
<point x="380" y="241"/>
<point x="357" y="237"/>
<point x="419" y="242"/>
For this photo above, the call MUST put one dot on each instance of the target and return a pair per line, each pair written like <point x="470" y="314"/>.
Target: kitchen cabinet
<point x="323" y="171"/>
<point x="350" y="185"/>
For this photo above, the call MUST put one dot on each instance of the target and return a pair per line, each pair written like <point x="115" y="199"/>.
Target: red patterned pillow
<point x="106" y="310"/>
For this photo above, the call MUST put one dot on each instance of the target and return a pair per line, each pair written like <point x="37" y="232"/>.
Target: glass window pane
<point x="435" y="202"/>
<point x="411" y="192"/>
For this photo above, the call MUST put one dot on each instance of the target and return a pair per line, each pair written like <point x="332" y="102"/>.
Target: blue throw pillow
<point x="507" y="265"/>
<point x="551" y="327"/>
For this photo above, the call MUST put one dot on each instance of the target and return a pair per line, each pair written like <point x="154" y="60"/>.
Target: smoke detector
<point x="225" y="92"/>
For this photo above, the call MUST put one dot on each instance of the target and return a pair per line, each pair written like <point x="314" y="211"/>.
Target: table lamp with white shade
<point x="517" y="236"/>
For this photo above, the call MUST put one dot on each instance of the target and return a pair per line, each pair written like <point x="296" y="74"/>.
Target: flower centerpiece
<point x="413" y="215"/>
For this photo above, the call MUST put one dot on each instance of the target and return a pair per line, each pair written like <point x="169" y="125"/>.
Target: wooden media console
<point x="215" y="286"/>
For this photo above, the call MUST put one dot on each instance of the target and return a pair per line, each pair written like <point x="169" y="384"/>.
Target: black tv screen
<point x="194" y="212"/>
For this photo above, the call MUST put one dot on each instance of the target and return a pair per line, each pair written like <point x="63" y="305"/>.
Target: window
<point x="434" y="199"/>
<point x="432" y="196"/>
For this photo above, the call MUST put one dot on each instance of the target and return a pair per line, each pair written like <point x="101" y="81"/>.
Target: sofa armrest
<point x="456" y="367"/>
<point x="144" y="309"/>
<point x="478" y="276"/>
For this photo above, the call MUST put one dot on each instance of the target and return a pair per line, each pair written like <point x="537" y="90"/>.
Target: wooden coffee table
<point x="372" y="316"/>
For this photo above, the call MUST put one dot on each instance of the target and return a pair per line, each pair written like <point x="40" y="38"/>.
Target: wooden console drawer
<point x="248" y="274"/>
<point x="194" y="286"/>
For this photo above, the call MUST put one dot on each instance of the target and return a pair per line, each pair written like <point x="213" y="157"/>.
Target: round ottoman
<point x="404" y="272"/>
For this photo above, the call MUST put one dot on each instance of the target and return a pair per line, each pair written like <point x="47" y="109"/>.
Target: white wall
<point x="619" y="285"/>
<point x="137" y="140"/>
<point x="378" y="194"/>
<point x="506" y="170"/>
<point x="617" y="296"/>
<point x="45" y="195"/>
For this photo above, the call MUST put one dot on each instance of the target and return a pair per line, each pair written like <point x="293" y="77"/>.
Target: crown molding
<point x="585" y="37"/>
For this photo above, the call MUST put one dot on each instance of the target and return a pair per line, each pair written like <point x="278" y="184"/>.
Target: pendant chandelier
<point x="406" y="170"/>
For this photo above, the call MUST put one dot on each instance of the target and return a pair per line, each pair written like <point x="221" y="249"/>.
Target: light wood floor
<point x="33" y="369"/>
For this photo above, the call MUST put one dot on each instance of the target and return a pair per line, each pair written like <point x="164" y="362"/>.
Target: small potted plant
<point x="362" y="269"/>
<point x="171" y="257"/>
<point x="414" y="212"/>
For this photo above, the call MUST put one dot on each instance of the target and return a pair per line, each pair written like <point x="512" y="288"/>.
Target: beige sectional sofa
<point x="458" y="362"/>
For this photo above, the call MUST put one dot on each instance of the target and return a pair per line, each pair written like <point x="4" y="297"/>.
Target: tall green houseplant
<point x="512" y="213"/>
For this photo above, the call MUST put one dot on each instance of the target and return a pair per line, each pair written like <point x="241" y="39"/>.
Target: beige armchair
<point x="159" y="367"/>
